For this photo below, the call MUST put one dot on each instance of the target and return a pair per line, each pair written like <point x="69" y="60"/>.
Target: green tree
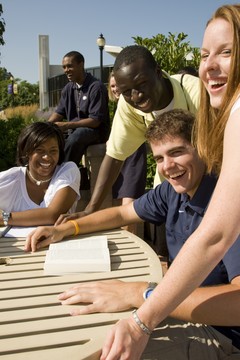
<point x="27" y="94"/>
<point x="172" y="53"/>
<point x="2" y="26"/>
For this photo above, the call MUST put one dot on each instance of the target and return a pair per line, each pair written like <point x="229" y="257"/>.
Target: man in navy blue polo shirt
<point x="84" y="104"/>
<point x="180" y="202"/>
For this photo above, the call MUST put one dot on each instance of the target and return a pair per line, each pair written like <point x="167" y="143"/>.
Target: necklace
<point x="38" y="182"/>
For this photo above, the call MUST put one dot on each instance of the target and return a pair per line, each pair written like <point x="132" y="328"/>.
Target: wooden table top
<point x="33" y="323"/>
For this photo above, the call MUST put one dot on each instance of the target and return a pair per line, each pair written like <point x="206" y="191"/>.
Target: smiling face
<point x="114" y="88"/>
<point x="44" y="159"/>
<point x="73" y="69"/>
<point x="141" y="86"/>
<point x="178" y="162"/>
<point x="215" y="59"/>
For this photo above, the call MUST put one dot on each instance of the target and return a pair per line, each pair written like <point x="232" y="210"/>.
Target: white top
<point x="13" y="191"/>
<point x="236" y="105"/>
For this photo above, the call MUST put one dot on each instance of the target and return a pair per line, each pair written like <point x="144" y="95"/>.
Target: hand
<point x="125" y="341"/>
<point x="65" y="217"/>
<point x="42" y="237"/>
<point x="63" y="125"/>
<point x="104" y="296"/>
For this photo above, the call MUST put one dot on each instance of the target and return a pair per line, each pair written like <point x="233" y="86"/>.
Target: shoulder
<point x="186" y="81"/>
<point x="93" y="84"/>
<point x="66" y="167"/>
<point x="14" y="174"/>
<point x="68" y="87"/>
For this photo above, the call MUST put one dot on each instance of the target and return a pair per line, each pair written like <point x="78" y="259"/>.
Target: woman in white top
<point x="41" y="187"/>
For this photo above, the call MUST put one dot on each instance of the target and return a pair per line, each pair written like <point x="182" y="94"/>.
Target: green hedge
<point x="9" y="132"/>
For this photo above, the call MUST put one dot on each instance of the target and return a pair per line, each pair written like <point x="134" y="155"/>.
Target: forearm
<point x="55" y="117"/>
<point x="108" y="173"/>
<point x="88" y="122"/>
<point x="106" y="219"/>
<point x="210" y="306"/>
<point x="34" y="217"/>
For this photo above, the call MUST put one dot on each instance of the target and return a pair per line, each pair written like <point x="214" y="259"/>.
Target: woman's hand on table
<point x="42" y="237"/>
<point x="125" y="340"/>
<point x="104" y="296"/>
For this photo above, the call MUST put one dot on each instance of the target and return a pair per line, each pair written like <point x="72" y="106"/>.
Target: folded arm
<point x="61" y="202"/>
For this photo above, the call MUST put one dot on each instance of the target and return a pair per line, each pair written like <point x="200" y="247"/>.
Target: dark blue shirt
<point x="90" y="101"/>
<point x="182" y="216"/>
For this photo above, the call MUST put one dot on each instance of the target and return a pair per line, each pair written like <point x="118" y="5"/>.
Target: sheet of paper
<point x="19" y="232"/>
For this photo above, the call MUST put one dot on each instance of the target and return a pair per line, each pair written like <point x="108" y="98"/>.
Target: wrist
<point x="75" y="226"/>
<point x="142" y="326"/>
<point x="5" y="217"/>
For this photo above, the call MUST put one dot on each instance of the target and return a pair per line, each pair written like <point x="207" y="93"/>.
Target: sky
<point x="76" y="25"/>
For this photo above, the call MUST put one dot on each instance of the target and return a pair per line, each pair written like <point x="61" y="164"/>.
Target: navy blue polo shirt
<point x="182" y="216"/>
<point x="91" y="100"/>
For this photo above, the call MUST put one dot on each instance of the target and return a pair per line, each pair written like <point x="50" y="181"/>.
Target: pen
<point x="4" y="231"/>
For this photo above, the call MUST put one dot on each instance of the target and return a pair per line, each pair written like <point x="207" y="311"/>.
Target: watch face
<point x="149" y="290"/>
<point x="6" y="216"/>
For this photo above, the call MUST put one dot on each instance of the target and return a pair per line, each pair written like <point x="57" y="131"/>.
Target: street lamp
<point x="101" y="43"/>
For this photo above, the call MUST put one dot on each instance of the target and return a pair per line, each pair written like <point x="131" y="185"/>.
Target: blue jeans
<point x="78" y="140"/>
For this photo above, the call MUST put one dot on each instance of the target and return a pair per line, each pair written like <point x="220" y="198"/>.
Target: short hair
<point x="34" y="135"/>
<point x="132" y="54"/>
<point x="172" y="123"/>
<point x="76" y="55"/>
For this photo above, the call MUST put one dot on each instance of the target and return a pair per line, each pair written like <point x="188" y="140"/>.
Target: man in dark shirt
<point x="180" y="202"/>
<point x="84" y="104"/>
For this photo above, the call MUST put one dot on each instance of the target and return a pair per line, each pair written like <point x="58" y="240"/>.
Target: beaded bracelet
<point x="144" y="328"/>
<point x="77" y="229"/>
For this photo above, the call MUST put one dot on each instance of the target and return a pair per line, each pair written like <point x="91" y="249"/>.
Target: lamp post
<point x="101" y="43"/>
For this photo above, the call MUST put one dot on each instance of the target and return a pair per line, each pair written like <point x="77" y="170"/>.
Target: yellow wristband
<point x="76" y="226"/>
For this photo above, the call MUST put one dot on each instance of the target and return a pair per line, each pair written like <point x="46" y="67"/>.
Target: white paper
<point x="81" y="255"/>
<point x="19" y="232"/>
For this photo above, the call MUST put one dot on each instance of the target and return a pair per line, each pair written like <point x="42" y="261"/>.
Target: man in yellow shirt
<point x="146" y="91"/>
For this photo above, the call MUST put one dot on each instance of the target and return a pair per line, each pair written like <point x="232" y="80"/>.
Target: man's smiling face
<point x="178" y="162"/>
<point x="140" y="85"/>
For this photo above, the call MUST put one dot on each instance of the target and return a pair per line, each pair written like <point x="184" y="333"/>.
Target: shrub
<point x="10" y="128"/>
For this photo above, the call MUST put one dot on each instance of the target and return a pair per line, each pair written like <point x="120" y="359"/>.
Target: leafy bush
<point x="10" y="129"/>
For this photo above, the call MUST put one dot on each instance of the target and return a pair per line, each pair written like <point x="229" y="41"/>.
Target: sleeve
<point x="61" y="108"/>
<point x="98" y="104"/>
<point x="67" y="174"/>
<point x="10" y="188"/>
<point x="152" y="206"/>
<point x="236" y="105"/>
<point x="127" y="133"/>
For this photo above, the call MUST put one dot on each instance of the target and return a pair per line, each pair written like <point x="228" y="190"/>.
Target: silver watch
<point x="151" y="286"/>
<point x="6" y="216"/>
